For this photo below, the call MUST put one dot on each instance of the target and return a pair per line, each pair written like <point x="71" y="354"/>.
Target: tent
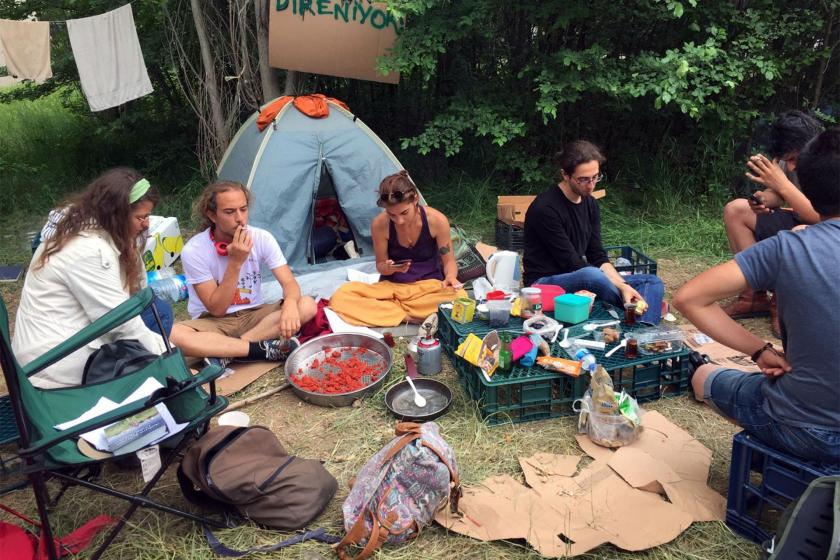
<point x="295" y="160"/>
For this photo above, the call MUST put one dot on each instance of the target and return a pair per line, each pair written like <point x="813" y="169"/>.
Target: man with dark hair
<point x="793" y="402"/>
<point x="223" y="265"/>
<point x="563" y="237"/>
<point x="750" y="220"/>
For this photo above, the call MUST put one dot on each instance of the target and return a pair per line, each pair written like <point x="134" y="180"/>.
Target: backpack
<point x="115" y="359"/>
<point x="247" y="468"/>
<point x="810" y="526"/>
<point x="399" y="489"/>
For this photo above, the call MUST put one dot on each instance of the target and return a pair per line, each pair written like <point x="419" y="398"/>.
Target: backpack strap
<point x="220" y="549"/>
<point x="455" y="491"/>
<point x="376" y="538"/>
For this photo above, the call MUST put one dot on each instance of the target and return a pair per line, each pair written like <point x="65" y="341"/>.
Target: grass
<point x="49" y="152"/>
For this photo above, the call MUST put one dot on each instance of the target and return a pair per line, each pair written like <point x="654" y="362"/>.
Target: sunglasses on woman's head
<point x="397" y="196"/>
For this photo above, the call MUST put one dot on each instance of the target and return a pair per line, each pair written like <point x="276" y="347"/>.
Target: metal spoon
<point x="419" y="399"/>
<point x="593" y="326"/>
<point x="621" y="344"/>
<point x="565" y="343"/>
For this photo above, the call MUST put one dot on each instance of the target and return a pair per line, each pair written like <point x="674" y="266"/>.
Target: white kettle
<point x="503" y="270"/>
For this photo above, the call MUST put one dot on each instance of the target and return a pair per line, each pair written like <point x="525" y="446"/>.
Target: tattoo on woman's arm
<point x="443" y="250"/>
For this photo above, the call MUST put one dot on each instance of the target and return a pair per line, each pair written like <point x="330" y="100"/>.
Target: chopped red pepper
<point x="340" y="375"/>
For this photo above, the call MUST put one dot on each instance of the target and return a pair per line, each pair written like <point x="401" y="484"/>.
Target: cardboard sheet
<point x="511" y="208"/>
<point x="244" y="374"/>
<point x="637" y="497"/>
<point x="332" y="37"/>
<point x="717" y="352"/>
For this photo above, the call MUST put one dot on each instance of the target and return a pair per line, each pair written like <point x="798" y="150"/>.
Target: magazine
<point x="135" y="431"/>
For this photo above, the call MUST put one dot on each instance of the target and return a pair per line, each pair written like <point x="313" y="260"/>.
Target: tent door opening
<point x="331" y="233"/>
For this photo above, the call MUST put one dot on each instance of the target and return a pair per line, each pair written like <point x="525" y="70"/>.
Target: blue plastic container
<point x="571" y="308"/>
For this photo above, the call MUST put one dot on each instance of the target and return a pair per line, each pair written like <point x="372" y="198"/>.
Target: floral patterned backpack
<point x="399" y="490"/>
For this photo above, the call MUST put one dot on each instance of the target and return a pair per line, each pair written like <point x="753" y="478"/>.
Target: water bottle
<point x="155" y="275"/>
<point x="170" y="289"/>
<point x="586" y="359"/>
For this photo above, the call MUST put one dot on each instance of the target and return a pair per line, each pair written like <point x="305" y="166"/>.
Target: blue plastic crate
<point x="762" y="483"/>
<point x="8" y="428"/>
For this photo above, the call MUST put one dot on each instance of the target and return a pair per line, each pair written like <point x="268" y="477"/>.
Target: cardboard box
<point x="332" y="37"/>
<point x="164" y="244"/>
<point x="511" y="208"/>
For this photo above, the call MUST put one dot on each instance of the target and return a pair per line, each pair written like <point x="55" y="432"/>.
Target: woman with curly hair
<point x="90" y="265"/>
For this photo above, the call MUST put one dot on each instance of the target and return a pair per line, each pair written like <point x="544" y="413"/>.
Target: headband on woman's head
<point x="140" y="188"/>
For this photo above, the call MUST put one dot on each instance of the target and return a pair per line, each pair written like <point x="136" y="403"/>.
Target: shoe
<point x="775" y="327"/>
<point x="350" y="249"/>
<point x="279" y="349"/>
<point x="695" y="360"/>
<point x="749" y="304"/>
<point x="224" y="362"/>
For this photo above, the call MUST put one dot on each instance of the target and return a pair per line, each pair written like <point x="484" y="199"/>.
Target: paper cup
<point x="235" y="418"/>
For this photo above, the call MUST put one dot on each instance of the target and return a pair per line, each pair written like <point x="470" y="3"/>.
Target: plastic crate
<point x="8" y="427"/>
<point x="762" y="483"/>
<point x="522" y="394"/>
<point x="508" y="237"/>
<point x="639" y="262"/>
<point x="525" y="394"/>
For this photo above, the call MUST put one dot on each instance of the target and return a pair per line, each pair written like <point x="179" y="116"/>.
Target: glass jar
<point x="530" y="302"/>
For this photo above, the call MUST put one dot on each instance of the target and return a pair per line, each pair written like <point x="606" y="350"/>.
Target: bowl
<point x="235" y="418"/>
<point x="373" y="352"/>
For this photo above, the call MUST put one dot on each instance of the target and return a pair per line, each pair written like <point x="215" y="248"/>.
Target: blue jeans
<point x="164" y="309"/>
<point x="594" y="280"/>
<point x="738" y="395"/>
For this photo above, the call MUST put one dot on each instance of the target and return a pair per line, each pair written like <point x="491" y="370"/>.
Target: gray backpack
<point x="116" y="359"/>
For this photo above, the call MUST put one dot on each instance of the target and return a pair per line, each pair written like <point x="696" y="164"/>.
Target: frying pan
<point x="400" y="398"/>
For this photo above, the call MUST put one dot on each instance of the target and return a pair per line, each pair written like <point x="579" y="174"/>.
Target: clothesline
<point x="105" y="47"/>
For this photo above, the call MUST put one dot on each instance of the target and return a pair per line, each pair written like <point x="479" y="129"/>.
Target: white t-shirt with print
<point x="203" y="263"/>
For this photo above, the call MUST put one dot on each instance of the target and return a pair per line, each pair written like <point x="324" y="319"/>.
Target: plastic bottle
<point x="155" y="275"/>
<point x="170" y="289"/>
<point x="585" y="357"/>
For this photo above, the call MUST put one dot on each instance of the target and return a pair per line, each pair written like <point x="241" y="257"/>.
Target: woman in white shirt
<point x="89" y="266"/>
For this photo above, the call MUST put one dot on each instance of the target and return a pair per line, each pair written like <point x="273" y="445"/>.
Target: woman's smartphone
<point x="400" y="263"/>
<point x="754" y="199"/>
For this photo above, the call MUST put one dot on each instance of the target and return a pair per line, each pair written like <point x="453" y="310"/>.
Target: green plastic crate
<point x="526" y="394"/>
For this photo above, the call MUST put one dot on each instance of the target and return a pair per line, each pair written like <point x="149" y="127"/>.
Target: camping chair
<point x="50" y="453"/>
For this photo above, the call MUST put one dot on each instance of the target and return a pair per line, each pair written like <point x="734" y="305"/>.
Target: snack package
<point x="603" y="394"/>
<point x="641" y="307"/>
<point x="561" y="365"/>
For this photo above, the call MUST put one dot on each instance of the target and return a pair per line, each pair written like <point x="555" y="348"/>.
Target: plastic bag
<point x="608" y="430"/>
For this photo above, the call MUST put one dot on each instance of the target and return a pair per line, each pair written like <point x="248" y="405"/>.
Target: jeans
<point x="738" y="395"/>
<point x="594" y="280"/>
<point x="164" y="309"/>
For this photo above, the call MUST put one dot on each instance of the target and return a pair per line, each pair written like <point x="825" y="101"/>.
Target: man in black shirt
<point x="563" y="237"/>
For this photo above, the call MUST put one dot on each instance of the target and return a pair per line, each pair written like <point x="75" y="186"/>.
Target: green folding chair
<point x="49" y="453"/>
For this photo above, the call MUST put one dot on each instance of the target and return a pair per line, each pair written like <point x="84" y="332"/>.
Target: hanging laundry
<point x="109" y="59"/>
<point x="26" y="45"/>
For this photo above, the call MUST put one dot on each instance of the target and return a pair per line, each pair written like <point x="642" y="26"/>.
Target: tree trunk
<point x="294" y="82"/>
<point x="269" y="77"/>
<point x="210" y="81"/>
<point x="824" y="66"/>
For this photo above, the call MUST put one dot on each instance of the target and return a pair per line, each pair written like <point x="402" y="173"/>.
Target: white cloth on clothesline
<point x="109" y="59"/>
<point x="26" y="49"/>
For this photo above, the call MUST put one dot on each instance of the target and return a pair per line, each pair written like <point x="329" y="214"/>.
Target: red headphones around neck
<point x="221" y="246"/>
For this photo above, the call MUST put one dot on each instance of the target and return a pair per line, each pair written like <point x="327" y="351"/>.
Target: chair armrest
<point x="74" y="432"/>
<point x="206" y="375"/>
<point x="129" y="309"/>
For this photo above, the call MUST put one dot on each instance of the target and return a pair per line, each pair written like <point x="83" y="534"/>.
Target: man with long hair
<point x="90" y="265"/>
<point x="223" y="266"/>
<point x="791" y="403"/>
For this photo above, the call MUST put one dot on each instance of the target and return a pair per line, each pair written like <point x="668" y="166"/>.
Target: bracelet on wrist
<point x="757" y="354"/>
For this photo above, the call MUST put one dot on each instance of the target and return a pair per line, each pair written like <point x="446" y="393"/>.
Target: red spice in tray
<point x="338" y="375"/>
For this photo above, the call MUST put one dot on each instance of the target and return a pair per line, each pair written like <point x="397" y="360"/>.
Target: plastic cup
<point x="235" y="418"/>
<point x="629" y="313"/>
<point x="498" y="313"/>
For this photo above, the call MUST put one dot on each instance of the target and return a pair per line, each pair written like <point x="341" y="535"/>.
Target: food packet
<point x="562" y="365"/>
<point x="603" y="393"/>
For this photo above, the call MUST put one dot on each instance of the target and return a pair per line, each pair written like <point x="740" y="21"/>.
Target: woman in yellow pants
<point x="413" y="256"/>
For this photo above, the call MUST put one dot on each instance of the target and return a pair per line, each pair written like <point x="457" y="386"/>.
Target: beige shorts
<point x="237" y="323"/>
